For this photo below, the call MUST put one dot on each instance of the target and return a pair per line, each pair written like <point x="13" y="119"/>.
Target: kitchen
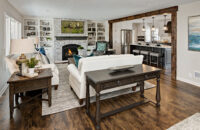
<point x="149" y="36"/>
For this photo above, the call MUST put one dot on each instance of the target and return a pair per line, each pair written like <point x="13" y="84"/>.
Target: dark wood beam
<point x="174" y="45"/>
<point x="110" y="35"/>
<point x="147" y="14"/>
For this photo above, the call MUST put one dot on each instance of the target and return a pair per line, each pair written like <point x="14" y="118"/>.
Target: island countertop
<point x="152" y="45"/>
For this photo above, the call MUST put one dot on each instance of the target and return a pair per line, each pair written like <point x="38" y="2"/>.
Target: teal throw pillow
<point x="76" y="59"/>
<point x="101" y="46"/>
<point x="92" y="54"/>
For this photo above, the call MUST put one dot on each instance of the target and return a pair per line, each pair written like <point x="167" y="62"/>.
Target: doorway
<point x="173" y="12"/>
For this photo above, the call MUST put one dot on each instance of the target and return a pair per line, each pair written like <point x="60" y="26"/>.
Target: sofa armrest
<point x="74" y="71"/>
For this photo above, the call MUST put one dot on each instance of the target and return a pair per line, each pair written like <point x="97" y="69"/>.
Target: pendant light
<point x="153" y="26"/>
<point x="143" y="28"/>
<point x="165" y="24"/>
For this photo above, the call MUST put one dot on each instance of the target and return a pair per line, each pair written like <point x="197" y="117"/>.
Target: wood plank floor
<point x="179" y="101"/>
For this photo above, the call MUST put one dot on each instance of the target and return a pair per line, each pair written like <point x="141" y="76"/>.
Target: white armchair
<point x="77" y="78"/>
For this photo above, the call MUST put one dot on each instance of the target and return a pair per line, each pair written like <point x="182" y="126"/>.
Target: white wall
<point x="187" y="61"/>
<point x="5" y="7"/>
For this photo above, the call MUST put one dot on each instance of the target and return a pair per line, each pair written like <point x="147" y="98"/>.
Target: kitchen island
<point x="163" y="50"/>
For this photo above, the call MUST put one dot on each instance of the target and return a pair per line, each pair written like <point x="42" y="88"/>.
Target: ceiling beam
<point x="151" y="13"/>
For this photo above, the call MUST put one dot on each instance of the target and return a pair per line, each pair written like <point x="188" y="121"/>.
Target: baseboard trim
<point x="2" y="91"/>
<point x="188" y="81"/>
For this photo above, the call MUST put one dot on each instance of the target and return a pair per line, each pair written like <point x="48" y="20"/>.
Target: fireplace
<point x="69" y="50"/>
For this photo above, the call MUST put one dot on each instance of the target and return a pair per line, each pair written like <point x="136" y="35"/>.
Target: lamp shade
<point x="35" y="39"/>
<point x="22" y="46"/>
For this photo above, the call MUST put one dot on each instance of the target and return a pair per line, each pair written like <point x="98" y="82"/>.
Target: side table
<point x="19" y="84"/>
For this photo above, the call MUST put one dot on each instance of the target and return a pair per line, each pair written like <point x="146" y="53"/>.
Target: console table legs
<point x="158" y="92"/>
<point x="98" y="115"/>
<point x="49" y="92"/>
<point x="141" y="84"/>
<point x="87" y="98"/>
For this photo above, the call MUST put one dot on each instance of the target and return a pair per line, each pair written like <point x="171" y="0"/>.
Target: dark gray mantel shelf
<point x="71" y="37"/>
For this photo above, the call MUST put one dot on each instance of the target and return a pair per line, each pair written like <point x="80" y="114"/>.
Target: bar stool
<point x="136" y="52"/>
<point x="146" y="56"/>
<point x="157" y="56"/>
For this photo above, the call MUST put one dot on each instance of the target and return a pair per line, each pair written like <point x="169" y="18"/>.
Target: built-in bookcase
<point x="96" y="32"/>
<point x="30" y="28"/>
<point x="46" y="31"/>
<point x="42" y="28"/>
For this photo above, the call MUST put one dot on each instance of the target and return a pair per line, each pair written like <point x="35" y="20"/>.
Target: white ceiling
<point x="90" y="9"/>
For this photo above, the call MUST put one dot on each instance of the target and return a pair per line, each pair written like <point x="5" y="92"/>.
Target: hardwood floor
<point x="179" y="100"/>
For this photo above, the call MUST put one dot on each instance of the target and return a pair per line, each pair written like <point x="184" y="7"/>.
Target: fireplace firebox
<point x="69" y="50"/>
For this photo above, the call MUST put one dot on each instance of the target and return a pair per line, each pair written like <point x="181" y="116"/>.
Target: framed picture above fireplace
<point x="72" y="27"/>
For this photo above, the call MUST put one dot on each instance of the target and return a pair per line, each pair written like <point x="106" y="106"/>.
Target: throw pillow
<point x="101" y="46"/>
<point x="44" y="59"/>
<point x="11" y="64"/>
<point x="42" y="51"/>
<point x="76" y="59"/>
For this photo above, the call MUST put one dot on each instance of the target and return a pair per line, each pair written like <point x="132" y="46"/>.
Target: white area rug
<point x="190" y="123"/>
<point x="64" y="98"/>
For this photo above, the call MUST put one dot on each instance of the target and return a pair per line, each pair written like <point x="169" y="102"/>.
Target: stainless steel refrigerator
<point x="126" y="40"/>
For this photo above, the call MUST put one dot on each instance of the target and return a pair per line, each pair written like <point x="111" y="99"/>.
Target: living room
<point x="99" y="64"/>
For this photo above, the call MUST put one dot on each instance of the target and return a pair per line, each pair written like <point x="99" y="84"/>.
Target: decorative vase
<point x="80" y="52"/>
<point x="89" y="53"/>
<point x="31" y="70"/>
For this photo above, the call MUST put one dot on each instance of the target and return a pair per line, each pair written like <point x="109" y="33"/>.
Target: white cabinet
<point x="96" y="32"/>
<point x="42" y="28"/>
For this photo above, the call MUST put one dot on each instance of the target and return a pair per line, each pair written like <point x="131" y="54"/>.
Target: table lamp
<point x="36" y="41"/>
<point x="21" y="46"/>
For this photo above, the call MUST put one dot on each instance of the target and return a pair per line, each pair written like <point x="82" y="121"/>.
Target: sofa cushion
<point x="11" y="64"/>
<point x="104" y="62"/>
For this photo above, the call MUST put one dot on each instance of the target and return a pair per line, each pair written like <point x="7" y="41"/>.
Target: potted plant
<point x="31" y="65"/>
<point x="88" y="51"/>
<point x="80" y="50"/>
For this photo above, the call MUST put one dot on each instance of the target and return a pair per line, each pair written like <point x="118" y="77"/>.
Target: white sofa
<point x="77" y="78"/>
<point x="13" y="67"/>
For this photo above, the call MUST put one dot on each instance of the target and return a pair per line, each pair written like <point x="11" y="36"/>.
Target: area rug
<point x="64" y="98"/>
<point x="190" y="123"/>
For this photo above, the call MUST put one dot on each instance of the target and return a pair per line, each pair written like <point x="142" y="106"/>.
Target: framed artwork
<point x="72" y="27"/>
<point x="194" y="33"/>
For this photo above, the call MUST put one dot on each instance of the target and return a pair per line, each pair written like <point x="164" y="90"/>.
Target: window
<point x="148" y="33"/>
<point x="12" y="31"/>
<point x="155" y="36"/>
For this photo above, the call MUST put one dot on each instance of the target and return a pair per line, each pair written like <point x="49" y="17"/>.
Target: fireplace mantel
<point x="71" y="37"/>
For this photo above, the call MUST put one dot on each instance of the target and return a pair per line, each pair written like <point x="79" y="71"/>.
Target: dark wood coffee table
<point x="105" y="79"/>
<point x="18" y="84"/>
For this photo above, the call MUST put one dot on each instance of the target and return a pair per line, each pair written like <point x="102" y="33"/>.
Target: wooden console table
<point x="105" y="79"/>
<point x="18" y="84"/>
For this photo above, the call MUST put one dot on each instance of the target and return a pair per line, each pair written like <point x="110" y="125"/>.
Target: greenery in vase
<point x="80" y="48"/>
<point x="32" y="63"/>
<point x="88" y="50"/>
